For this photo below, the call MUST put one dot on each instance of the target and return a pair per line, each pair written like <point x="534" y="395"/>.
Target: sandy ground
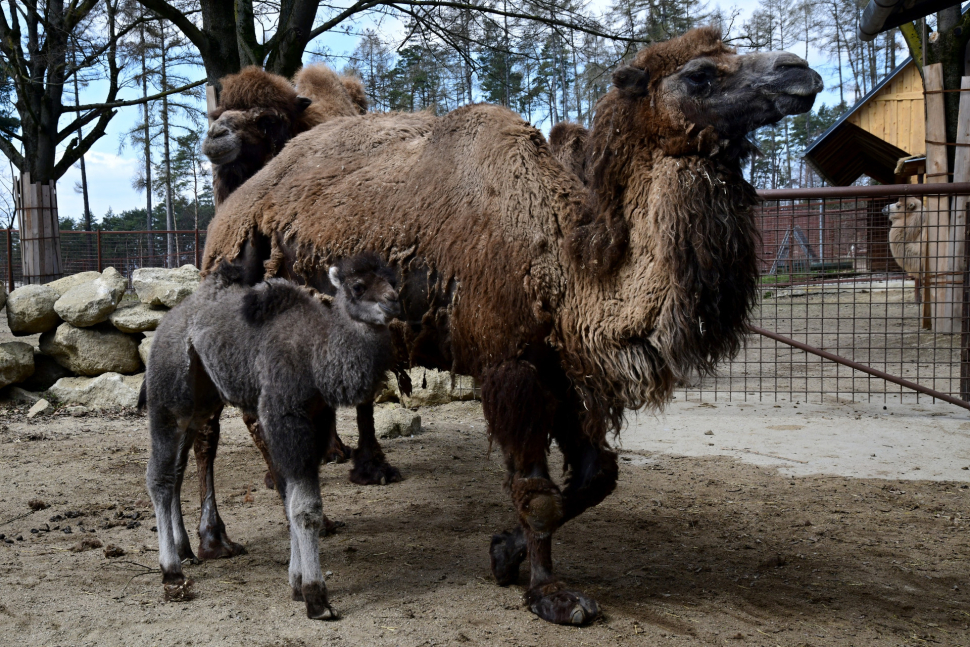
<point x="819" y="545"/>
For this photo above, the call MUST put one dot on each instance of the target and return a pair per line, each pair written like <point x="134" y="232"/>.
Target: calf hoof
<point x="337" y="452"/>
<point x="269" y="481"/>
<point x="506" y="554"/>
<point x="317" y="605"/>
<point x="553" y="603"/>
<point x="219" y="548"/>
<point x="374" y="473"/>
<point x="178" y="591"/>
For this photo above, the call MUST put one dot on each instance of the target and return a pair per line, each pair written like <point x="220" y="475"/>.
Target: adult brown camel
<point x="569" y="302"/>
<point x="259" y="112"/>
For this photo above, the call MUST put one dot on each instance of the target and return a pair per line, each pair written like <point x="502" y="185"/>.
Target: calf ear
<point x="302" y="103"/>
<point x="631" y="81"/>
<point x="335" y="276"/>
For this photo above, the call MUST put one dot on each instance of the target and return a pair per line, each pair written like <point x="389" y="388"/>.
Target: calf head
<point x="366" y="289"/>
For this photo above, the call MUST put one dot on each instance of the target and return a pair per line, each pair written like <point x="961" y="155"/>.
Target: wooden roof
<point x="885" y="125"/>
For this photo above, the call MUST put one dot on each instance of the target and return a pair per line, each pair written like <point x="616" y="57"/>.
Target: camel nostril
<point x="785" y="61"/>
<point x="217" y="131"/>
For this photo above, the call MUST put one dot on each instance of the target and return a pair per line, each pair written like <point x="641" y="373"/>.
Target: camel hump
<point x="327" y="90"/>
<point x="271" y="299"/>
<point x="355" y="89"/>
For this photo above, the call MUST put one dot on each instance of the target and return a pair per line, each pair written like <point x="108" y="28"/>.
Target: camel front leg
<point x="512" y="399"/>
<point x="370" y="466"/>
<point x="214" y="543"/>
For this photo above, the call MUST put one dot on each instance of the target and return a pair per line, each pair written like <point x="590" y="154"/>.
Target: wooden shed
<point x="887" y="124"/>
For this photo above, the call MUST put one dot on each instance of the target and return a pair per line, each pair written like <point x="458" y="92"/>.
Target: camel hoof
<point x="506" y="556"/>
<point x="317" y="605"/>
<point x="555" y="604"/>
<point x="220" y="549"/>
<point x="329" y="527"/>
<point x="269" y="481"/>
<point x="369" y="473"/>
<point x="179" y="592"/>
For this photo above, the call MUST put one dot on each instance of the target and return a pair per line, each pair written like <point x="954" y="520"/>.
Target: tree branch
<point x="133" y="102"/>
<point x="177" y="18"/>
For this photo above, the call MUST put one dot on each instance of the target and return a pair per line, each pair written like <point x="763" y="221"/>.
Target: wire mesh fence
<point x="863" y="293"/>
<point x="871" y="278"/>
<point x="126" y="251"/>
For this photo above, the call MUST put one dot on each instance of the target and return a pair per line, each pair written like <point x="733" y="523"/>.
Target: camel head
<point x="258" y="113"/>
<point x="697" y="94"/>
<point x="366" y="289"/>
<point x="905" y="210"/>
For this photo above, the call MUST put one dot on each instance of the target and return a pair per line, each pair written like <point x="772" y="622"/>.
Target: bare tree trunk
<point x="170" y="250"/>
<point x="148" y="146"/>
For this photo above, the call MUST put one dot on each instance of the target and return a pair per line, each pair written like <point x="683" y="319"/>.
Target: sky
<point x="111" y="168"/>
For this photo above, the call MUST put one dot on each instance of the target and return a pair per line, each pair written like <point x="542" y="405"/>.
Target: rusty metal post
<point x="99" y="250"/>
<point x="10" y="259"/>
<point x="965" y="327"/>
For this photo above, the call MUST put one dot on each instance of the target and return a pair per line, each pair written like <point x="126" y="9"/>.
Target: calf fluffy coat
<point x="282" y="357"/>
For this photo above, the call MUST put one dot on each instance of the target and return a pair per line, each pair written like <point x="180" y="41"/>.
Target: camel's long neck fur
<point x="351" y="360"/>
<point x="668" y="251"/>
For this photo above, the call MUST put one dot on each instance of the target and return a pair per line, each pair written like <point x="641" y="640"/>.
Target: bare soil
<point x="703" y="550"/>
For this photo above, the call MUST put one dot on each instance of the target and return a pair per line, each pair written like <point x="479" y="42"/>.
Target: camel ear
<point x="631" y="80"/>
<point x="335" y="277"/>
<point x="302" y="103"/>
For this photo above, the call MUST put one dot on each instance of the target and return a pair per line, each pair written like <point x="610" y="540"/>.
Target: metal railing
<point x="838" y="318"/>
<point x="126" y="251"/>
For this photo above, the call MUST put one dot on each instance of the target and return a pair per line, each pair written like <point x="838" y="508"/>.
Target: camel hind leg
<point x="370" y="465"/>
<point x="214" y="543"/>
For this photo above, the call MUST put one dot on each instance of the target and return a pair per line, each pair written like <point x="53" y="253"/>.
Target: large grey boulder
<point x="92" y="351"/>
<point x="144" y="349"/>
<point x="135" y="316"/>
<point x="392" y="420"/>
<point x="92" y="302"/>
<point x="61" y="286"/>
<point x="30" y="310"/>
<point x="16" y="362"/>
<point x="157" y="286"/>
<point x="106" y="391"/>
<point x="46" y="372"/>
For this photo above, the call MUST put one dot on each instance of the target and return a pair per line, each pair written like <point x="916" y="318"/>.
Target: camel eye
<point x="358" y="289"/>
<point x="699" y="78"/>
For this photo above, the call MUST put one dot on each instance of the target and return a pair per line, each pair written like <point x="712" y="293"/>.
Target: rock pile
<point x="89" y="327"/>
<point x="93" y="349"/>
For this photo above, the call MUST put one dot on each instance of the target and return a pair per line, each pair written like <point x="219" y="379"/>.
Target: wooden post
<point x="100" y="269"/>
<point x="937" y="225"/>
<point x="10" y="259"/>
<point x="958" y="219"/>
<point x="40" y="242"/>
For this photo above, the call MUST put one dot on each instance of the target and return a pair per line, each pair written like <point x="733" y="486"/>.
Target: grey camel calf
<point x="284" y="358"/>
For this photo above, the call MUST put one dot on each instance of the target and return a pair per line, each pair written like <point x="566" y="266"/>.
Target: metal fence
<point x="838" y="318"/>
<point x="126" y="251"/>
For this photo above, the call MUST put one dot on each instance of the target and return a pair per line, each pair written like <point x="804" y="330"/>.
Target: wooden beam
<point x="937" y="207"/>
<point x="958" y="219"/>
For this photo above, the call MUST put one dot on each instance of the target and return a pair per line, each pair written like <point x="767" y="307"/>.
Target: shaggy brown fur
<point x="570" y="303"/>
<point x="567" y="141"/>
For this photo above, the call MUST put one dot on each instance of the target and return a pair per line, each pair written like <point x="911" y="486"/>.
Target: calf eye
<point x="699" y="78"/>
<point x="358" y="289"/>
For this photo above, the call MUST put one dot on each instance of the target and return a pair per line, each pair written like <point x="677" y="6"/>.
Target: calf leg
<point x="213" y="540"/>
<point x="370" y="466"/>
<point x="513" y="400"/>
<point x="297" y="444"/>
<point x="170" y="443"/>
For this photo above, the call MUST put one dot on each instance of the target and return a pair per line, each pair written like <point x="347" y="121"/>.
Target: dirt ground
<point x="702" y="550"/>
